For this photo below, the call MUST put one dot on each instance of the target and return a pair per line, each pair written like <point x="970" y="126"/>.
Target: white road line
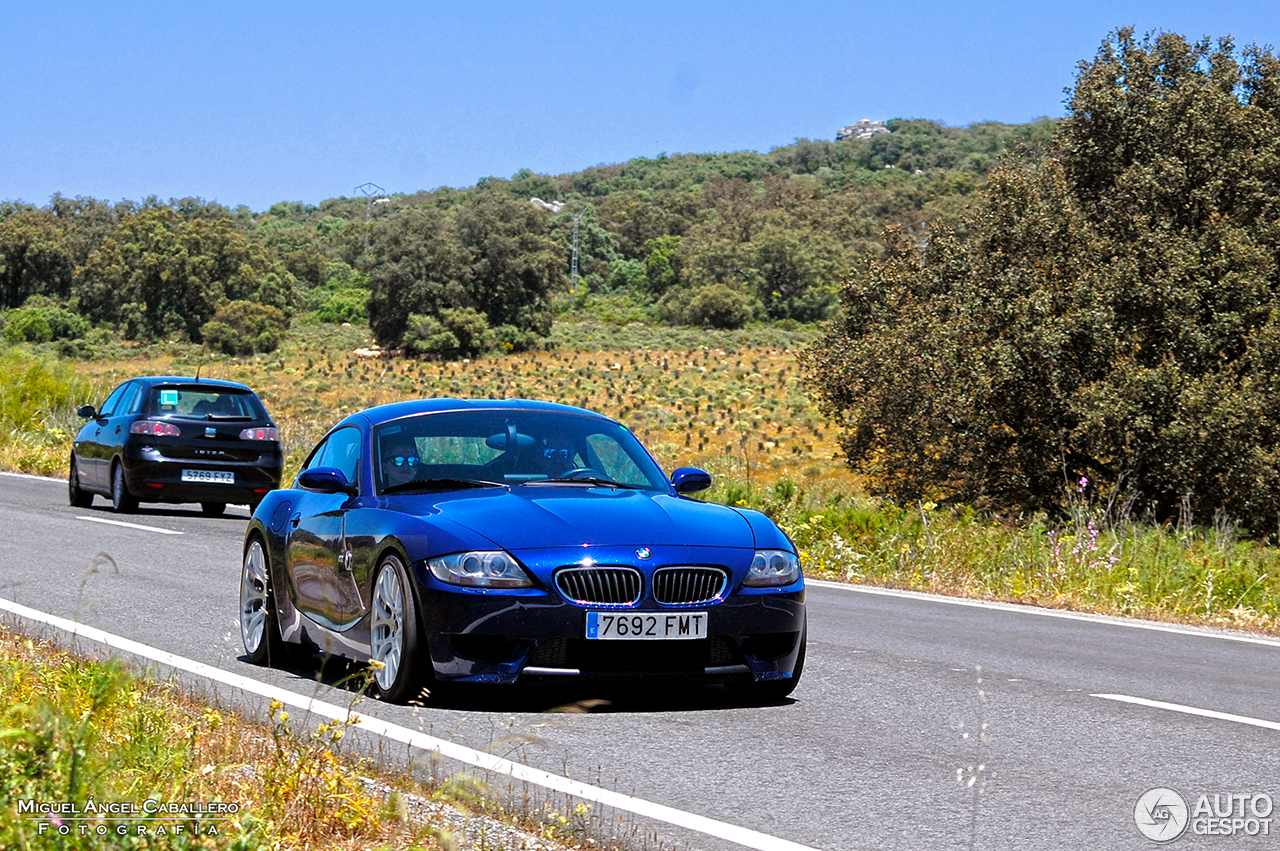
<point x="35" y="478"/>
<point x="1046" y="613"/>
<point x="628" y="803"/>
<point x="130" y="525"/>
<point x="1191" y="710"/>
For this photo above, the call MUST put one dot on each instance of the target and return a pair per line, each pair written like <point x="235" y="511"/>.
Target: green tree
<point x="491" y="253"/>
<point x="416" y="266"/>
<point x="514" y="263"/>
<point x="1112" y="315"/>
<point x="34" y="259"/>
<point x="159" y="275"/>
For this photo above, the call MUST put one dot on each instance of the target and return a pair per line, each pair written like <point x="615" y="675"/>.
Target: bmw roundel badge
<point x="644" y="554"/>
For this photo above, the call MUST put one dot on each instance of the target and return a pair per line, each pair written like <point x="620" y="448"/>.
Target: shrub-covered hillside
<point x="715" y="240"/>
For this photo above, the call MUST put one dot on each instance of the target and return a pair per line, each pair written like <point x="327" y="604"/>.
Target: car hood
<point x="533" y="517"/>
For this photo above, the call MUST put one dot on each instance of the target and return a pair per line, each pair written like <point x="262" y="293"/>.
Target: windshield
<point x="204" y="403"/>
<point x="509" y="447"/>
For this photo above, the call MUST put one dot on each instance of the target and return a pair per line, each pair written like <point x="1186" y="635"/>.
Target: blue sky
<point x="253" y="103"/>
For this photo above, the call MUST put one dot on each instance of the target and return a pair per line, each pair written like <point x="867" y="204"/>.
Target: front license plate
<point x="216" y="477"/>
<point x="633" y="627"/>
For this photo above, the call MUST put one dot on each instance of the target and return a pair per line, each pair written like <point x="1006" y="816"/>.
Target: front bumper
<point x="533" y="635"/>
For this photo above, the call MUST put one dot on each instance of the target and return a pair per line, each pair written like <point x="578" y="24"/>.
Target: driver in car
<point x="399" y="460"/>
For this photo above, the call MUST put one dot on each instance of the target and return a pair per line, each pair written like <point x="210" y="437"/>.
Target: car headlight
<point x="482" y="569"/>
<point x="772" y="568"/>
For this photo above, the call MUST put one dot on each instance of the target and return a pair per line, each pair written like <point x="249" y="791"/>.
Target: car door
<point x="116" y="430"/>
<point x="91" y="449"/>
<point x="315" y="550"/>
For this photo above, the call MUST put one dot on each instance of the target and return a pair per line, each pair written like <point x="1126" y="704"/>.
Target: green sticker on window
<point x="168" y="398"/>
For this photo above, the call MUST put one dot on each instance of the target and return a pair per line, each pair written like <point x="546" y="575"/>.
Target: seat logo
<point x="210" y="431"/>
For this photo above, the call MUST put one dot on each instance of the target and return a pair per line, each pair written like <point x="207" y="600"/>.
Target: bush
<point x="718" y="306"/>
<point x="245" y="327"/>
<point x="348" y="304"/>
<point x="460" y="332"/>
<point x="41" y="320"/>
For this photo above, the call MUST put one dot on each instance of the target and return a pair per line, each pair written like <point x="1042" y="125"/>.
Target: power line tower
<point x="573" y="263"/>
<point x="370" y="191"/>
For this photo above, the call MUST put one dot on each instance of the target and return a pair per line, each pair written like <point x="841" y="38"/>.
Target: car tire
<point x="212" y="509"/>
<point x="773" y="690"/>
<point x="122" y="502"/>
<point x="78" y="497"/>
<point x="395" y="649"/>
<point x="259" y="621"/>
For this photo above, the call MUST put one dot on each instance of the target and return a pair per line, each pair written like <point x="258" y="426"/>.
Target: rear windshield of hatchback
<point x="204" y="403"/>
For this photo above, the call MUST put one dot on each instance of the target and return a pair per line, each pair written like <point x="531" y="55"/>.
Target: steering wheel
<point x="579" y="472"/>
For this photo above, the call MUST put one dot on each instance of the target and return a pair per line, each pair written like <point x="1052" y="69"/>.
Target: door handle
<point x="294" y="521"/>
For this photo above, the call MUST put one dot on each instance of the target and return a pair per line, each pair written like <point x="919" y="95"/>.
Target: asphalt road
<point x="866" y="755"/>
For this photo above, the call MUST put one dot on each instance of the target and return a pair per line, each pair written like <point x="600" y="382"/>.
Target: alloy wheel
<point x="254" y="600"/>
<point x="386" y="633"/>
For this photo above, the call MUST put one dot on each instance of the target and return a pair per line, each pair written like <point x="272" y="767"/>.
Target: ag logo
<point x="1161" y="814"/>
<point x="644" y="554"/>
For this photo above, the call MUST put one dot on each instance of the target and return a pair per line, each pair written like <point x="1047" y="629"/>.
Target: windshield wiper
<point x="442" y="484"/>
<point x="593" y="481"/>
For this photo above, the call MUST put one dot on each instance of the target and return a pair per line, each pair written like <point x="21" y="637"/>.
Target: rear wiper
<point x="593" y="481"/>
<point x="443" y="484"/>
<point x="228" y="418"/>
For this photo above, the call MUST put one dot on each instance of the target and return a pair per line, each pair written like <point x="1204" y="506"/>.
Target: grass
<point x="1090" y="561"/>
<point x="731" y="402"/>
<point x="85" y="744"/>
<point x="94" y="734"/>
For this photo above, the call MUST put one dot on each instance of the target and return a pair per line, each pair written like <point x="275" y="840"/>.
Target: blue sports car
<point x="448" y="541"/>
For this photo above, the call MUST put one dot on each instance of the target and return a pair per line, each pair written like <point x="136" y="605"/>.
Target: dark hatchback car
<point x="175" y="439"/>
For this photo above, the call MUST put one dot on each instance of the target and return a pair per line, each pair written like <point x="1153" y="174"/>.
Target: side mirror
<point x="87" y="412"/>
<point x="325" y="480"/>
<point x="690" y="480"/>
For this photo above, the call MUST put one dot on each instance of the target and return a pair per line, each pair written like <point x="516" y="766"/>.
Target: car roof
<point x="156" y="380"/>
<point x="395" y="410"/>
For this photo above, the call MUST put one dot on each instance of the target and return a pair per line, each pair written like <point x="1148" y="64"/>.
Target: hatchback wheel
<point x="122" y="501"/>
<point x="78" y="497"/>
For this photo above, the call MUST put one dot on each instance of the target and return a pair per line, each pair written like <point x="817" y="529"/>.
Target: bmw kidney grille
<point x="600" y="586"/>
<point x="675" y="586"/>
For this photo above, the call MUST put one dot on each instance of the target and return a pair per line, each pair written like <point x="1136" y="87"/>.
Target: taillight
<point x="260" y="434"/>
<point x="154" y="427"/>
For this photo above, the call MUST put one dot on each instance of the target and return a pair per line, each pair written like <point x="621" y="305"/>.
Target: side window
<point x="109" y="407"/>
<point x="343" y="452"/>
<point x="317" y="457"/>
<point x="129" y="401"/>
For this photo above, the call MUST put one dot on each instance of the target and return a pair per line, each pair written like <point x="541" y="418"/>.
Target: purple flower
<point x="1084" y="483"/>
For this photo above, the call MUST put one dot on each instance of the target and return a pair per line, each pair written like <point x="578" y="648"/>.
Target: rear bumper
<point x="152" y="478"/>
